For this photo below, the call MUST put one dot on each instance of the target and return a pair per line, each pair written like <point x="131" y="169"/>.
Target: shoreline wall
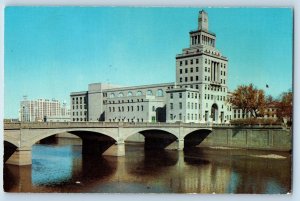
<point x="250" y="138"/>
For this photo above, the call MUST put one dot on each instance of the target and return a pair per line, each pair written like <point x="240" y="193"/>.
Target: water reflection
<point x="62" y="168"/>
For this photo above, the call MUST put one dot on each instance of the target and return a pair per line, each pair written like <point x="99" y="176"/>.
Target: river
<point x="60" y="167"/>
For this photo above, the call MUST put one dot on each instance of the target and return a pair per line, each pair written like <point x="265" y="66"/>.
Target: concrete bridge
<point x="100" y="137"/>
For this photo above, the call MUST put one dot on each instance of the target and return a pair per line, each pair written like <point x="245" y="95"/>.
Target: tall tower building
<point x="201" y="66"/>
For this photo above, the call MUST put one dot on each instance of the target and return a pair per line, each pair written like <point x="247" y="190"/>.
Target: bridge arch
<point x="155" y="138"/>
<point x="90" y="133"/>
<point x="12" y="141"/>
<point x="9" y="149"/>
<point x="149" y="131"/>
<point x="195" y="137"/>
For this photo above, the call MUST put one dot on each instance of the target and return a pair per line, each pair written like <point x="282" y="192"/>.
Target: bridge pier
<point x="176" y="145"/>
<point x="117" y="149"/>
<point x="22" y="156"/>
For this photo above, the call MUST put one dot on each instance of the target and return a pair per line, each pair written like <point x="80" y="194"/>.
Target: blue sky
<point x="52" y="51"/>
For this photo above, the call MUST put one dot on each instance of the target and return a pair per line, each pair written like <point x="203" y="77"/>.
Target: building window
<point x="197" y="87"/>
<point x="197" y="80"/>
<point x="131" y="108"/>
<point x="208" y="78"/>
<point x="186" y="79"/>
<point x="188" y="116"/>
<point x="171" y="95"/>
<point x="205" y="78"/>
<point x="205" y="69"/>
<point x="191" y="61"/>
<point x="153" y="108"/>
<point x="208" y="69"/>
<point x="191" y="70"/>
<point x="186" y="70"/>
<point x="171" y="116"/>
<point x="188" y="105"/>
<point x="139" y="93"/>
<point x="186" y="62"/>
<point x="160" y="93"/>
<point x="180" y="71"/>
<point x="120" y="94"/>
<point x="206" y="61"/>
<point x="180" y="116"/>
<point x="180" y="63"/>
<point x="180" y="105"/>
<point x="149" y="92"/>
<point x="191" y="79"/>
<point x="188" y="94"/>
<point x="180" y="79"/>
<point x="129" y="93"/>
<point x="197" y="61"/>
<point x="138" y="108"/>
<point x="180" y="95"/>
<point x="171" y="106"/>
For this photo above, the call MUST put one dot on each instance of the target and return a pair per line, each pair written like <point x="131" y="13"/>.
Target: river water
<point x="61" y="167"/>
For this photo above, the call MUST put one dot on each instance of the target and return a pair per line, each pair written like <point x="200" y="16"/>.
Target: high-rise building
<point x="202" y="66"/>
<point x="42" y="110"/>
<point x="198" y="95"/>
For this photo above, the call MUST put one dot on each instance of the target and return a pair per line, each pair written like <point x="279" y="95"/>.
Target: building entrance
<point x="214" y="112"/>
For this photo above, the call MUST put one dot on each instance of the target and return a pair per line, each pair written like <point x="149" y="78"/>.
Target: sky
<point x="50" y="52"/>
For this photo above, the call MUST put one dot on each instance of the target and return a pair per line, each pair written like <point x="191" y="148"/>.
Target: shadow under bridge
<point x="94" y="143"/>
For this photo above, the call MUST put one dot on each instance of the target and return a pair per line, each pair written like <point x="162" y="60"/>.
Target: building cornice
<point x="199" y="54"/>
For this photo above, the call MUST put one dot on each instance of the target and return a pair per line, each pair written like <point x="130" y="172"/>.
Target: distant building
<point x="42" y="109"/>
<point x="199" y="94"/>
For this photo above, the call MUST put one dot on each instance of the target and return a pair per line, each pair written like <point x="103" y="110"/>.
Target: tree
<point x="285" y="106"/>
<point x="249" y="99"/>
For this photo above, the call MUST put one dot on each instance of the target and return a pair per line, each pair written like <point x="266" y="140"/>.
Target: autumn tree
<point x="249" y="99"/>
<point x="285" y="106"/>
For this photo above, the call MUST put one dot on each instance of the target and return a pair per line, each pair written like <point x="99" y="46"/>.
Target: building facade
<point x="199" y="94"/>
<point x="41" y="109"/>
<point x="202" y="67"/>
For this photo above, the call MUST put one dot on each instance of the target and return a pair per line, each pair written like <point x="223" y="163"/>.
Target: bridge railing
<point x="9" y="126"/>
<point x="99" y="124"/>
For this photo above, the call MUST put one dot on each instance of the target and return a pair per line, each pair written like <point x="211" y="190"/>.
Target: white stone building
<point x="183" y="105"/>
<point x="201" y="71"/>
<point x="41" y="109"/>
<point x="203" y="67"/>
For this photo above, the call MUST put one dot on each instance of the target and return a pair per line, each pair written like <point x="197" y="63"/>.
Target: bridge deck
<point x="14" y="126"/>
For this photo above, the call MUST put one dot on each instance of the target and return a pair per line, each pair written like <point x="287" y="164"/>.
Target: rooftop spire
<point x="203" y="20"/>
